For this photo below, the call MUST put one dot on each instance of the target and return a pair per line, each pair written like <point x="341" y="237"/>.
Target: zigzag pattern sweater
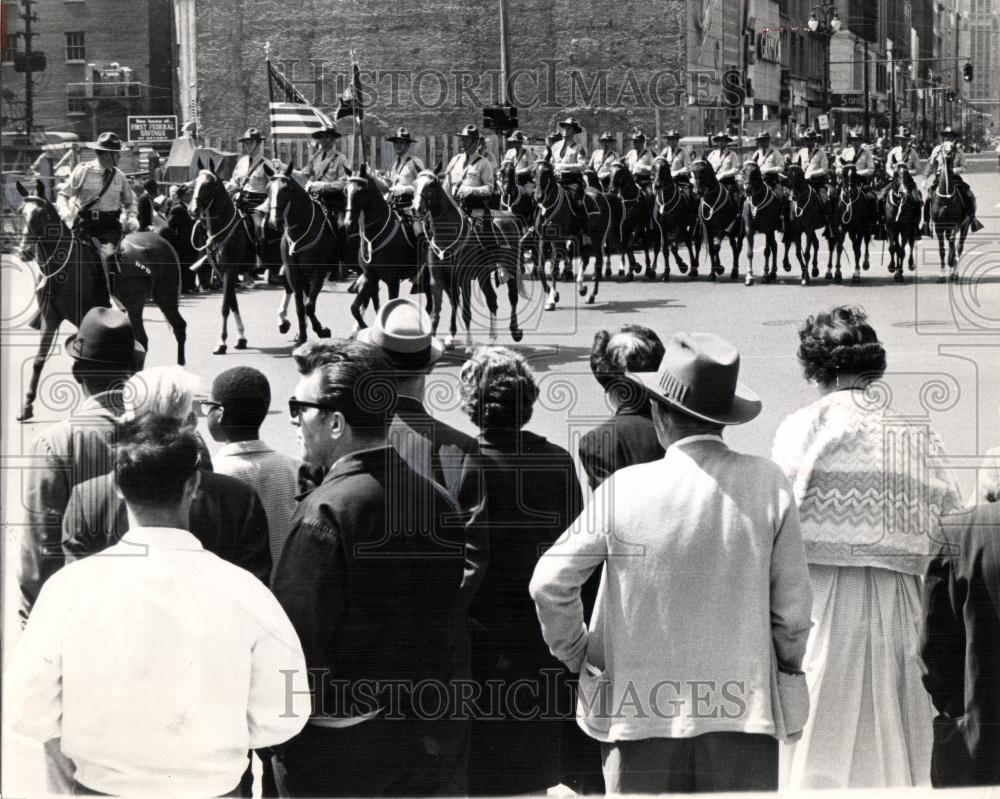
<point x="867" y="481"/>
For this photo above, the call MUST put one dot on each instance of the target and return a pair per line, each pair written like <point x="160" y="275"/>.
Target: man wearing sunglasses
<point x="369" y="576"/>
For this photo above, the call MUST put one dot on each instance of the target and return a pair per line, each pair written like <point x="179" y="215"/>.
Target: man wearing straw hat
<point x="519" y="157"/>
<point x="691" y="667"/>
<point x="469" y="177"/>
<point x="724" y="161"/>
<point x="248" y="185"/>
<point x="403" y="173"/>
<point x="678" y="157"/>
<point x="569" y="159"/>
<point x="327" y="168"/>
<point x="603" y="157"/>
<point x="639" y="160"/>
<point x="96" y="195"/>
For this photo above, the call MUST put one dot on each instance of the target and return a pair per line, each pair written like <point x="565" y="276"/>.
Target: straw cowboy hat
<point x="469" y="132"/>
<point x="722" y="137"/>
<point x="402" y="137"/>
<point x="572" y="124"/>
<point x="107" y="143"/>
<point x="606" y="136"/>
<point x="251" y="134"/>
<point x="326" y="132"/>
<point x="699" y="377"/>
<point x="402" y="330"/>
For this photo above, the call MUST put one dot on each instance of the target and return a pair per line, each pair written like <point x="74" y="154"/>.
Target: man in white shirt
<point x="704" y="606"/>
<point x="603" y="157"/>
<point x="241" y="398"/>
<point x="156" y="664"/>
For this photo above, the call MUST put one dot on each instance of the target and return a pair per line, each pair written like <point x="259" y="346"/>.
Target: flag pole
<point x="270" y="94"/>
<point x="359" y="125"/>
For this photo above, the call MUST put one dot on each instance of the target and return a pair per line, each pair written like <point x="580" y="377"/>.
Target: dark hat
<point x="721" y="137"/>
<point x="903" y="133"/>
<point x="673" y="133"/>
<point x="402" y="137"/>
<point x="107" y="143"/>
<point x="638" y="135"/>
<point x="607" y="136"/>
<point x="469" y="132"/>
<point x="949" y="131"/>
<point x="402" y="330"/>
<point x="699" y="376"/>
<point x="251" y="134"/>
<point x="764" y="135"/>
<point x="854" y="133"/>
<point x="808" y="134"/>
<point x="517" y="137"/>
<point x="105" y="336"/>
<point x="570" y="122"/>
<point x="326" y="132"/>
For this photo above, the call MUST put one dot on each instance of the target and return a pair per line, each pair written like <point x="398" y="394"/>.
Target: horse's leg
<point x="736" y="245"/>
<point x="512" y="296"/>
<point x="296" y="279"/>
<point x="856" y="241"/>
<point x="553" y="293"/>
<point x="600" y="256"/>
<point x="697" y="251"/>
<point x="437" y="297"/>
<point x="50" y="327"/>
<point x="581" y="275"/>
<point x="813" y="244"/>
<point x="283" y="324"/>
<point x="166" y="301"/>
<point x="138" y="328"/>
<point x="228" y="298"/>
<point x="751" y="238"/>
<point x="939" y="232"/>
<point x="315" y="287"/>
<point x="490" y="294"/>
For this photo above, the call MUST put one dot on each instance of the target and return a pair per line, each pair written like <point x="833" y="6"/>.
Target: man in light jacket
<point x="690" y="670"/>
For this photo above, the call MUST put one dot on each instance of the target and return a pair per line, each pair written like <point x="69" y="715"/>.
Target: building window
<point x="76" y="106"/>
<point x="10" y="46"/>
<point x="75" y="49"/>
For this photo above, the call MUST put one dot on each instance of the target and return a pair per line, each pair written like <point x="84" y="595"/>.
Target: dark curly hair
<point x="498" y="389"/>
<point x="634" y="348"/>
<point x="840" y="341"/>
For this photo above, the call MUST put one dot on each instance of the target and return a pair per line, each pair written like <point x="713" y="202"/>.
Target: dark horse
<point x="310" y="246"/>
<point x="462" y="252"/>
<point x="674" y="216"/>
<point x="718" y="218"/>
<point x="390" y="250"/>
<point x="761" y="214"/>
<point x="949" y="217"/>
<point x="637" y="220"/>
<point x="517" y="200"/>
<point x="902" y="223"/>
<point x="856" y="218"/>
<point x="562" y="228"/>
<point x="806" y="215"/>
<point x="73" y="282"/>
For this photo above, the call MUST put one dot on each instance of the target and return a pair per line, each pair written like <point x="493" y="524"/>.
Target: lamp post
<point x="823" y="24"/>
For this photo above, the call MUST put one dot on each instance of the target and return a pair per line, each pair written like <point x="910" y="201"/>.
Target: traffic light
<point x="967" y="72"/>
<point x="501" y="118"/>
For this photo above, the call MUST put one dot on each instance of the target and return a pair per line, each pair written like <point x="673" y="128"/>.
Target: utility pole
<point x="504" y="55"/>
<point x="29" y="99"/>
<point x="867" y="99"/>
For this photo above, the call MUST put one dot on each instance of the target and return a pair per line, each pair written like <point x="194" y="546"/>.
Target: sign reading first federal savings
<point x="152" y="128"/>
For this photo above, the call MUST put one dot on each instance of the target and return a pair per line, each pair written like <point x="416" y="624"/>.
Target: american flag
<point x="291" y="116"/>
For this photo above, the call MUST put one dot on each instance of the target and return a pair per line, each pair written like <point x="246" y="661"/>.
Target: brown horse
<point x="73" y="281"/>
<point x="762" y="213"/>
<point x="718" y="218"/>
<point x="902" y="223"/>
<point x="637" y="220"/>
<point x="949" y="218"/>
<point x="806" y="215"/>
<point x="856" y="219"/>
<point x="674" y="216"/>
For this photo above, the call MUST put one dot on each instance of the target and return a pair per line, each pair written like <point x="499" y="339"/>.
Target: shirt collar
<point x="162" y="538"/>
<point x="255" y="447"/>
<point x="107" y="400"/>
<point x="700" y="437"/>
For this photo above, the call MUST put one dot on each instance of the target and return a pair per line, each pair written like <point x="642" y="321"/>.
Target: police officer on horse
<point x="95" y="195"/>
<point x="248" y="186"/>
<point x="935" y="165"/>
<point x="725" y="162"/>
<point x="327" y="171"/>
<point x="520" y="157"/>
<point x="602" y="158"/>
<point x="770" y="162"/>
<point x="639" y="161"/>
<point x="678" y="157"/>
<point x="569" y="159"/>
<point x="470" y="177"/>
<point x="398" y="184"/>
<point x="859" y="155"/>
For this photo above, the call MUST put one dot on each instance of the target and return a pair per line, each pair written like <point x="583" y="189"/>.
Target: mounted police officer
<point x="771" y="163"/>
<point x="639" y="161"/>
<point x="327" y="170"/>
<point x="470" y="177"/>
<point x="94" y="197"/>
<point x="725" y="162"/>
<point x="520" y="157"/>
<point x="859" y="155"/>
<point x="678" y="157"/>
<point x="603" y="157"/>
<point x="815" y="164"/>
<point x="398" y="184"/>
<point x="935" y="165"/>
<point x="248" y="185"/>
<point x="569" y="159"/>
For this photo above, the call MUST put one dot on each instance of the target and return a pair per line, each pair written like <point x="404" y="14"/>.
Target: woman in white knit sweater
<point x="868" y="494"/>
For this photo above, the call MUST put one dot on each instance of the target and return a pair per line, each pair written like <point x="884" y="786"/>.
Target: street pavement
<point x="942" y="342"/>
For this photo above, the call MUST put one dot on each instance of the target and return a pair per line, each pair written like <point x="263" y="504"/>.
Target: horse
<point x="518" y="200"/>
<point x="73" y="280"/>
<point x="562" y="228"/>
<point x="948" y="217"/>
<point x="390" y="249"/>
<point x="718" y="218"/>
<point x="856" y="215"/>
<point x="806" y="215"/>
<point x="762" y="213"/>
<point x="229" y="244"/>
<point x="902" y="222"/>
<point x="462" y="252"/>
<point x="637" y="218"/>
<point x="310" y="246"/>
<point x="674" y="215"/>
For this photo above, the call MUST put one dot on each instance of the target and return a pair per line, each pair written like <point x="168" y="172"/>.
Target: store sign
<point x="841" y="100"/>
<point x="769" y="47"/>
<point x="152" y="128"/>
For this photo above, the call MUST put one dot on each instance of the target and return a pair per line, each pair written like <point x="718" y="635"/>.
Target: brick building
<point x="432" y="65"/>
<point x="79" y="90"/>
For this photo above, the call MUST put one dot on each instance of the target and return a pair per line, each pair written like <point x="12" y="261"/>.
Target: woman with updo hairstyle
<point x="869" y="490"/>
<point x="532" y="497"/>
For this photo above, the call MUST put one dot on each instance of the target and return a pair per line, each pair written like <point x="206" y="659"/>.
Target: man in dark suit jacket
<point x="369" y="577"/>
<point x="960" y="647"/>
<point x="226" y="516"/>
<point x="628" y="437"/>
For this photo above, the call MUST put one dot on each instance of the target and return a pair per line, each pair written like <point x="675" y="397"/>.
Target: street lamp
<point x="823" y="24"/>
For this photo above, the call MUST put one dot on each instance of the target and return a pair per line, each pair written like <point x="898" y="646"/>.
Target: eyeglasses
<point x="296" y="406"/>
<point x="203" y="407"/>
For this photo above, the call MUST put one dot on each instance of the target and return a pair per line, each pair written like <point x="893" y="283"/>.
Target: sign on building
<point x="823" y="121"/>
<point x="152" y="129"/>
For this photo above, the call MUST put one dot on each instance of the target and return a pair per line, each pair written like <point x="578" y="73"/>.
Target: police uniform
<point x="600" y="162"/>
<point x="935" y="165"/>
<point x="403" y="174"/>
<point x="470" y="179"/>
<point x="569" y="159"/>
<point x="639" y="161"/>
<point x="814" y="163"/>
<point x="249" y="180"/>
<point x="862" y="159"/>
<point x="326" y="170"/>
<point x="99" y="218"/>
<point x="770" y="160"/>
<point x="902" y="154"/>
<point x="726" y="166"/>
<point x="680" y="162"/>
<point x="522" y="161"/>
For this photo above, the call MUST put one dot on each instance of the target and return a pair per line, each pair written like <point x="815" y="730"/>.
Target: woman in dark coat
<point x="533" y="496"/>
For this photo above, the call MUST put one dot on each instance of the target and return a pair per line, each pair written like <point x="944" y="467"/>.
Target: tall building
<point x="983" y="94"/>
<point x="104" y="60"/>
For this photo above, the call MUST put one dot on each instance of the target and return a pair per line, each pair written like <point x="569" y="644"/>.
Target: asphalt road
<point x="942" y="341"/>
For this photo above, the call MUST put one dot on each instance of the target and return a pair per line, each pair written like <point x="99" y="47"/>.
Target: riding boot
<point x="975" y="224"/>
<point x="926" y="229"/>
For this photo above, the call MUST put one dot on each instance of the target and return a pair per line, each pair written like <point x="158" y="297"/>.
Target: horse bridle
<point x="369" y="244"/>
<point x="49" y="210"/>
<point x="427" y="219"/>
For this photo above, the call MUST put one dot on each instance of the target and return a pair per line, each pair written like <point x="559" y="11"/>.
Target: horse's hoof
<point x="220" y="349"/>
<point x="591" y="299"/>
<point x="682" y="267"/>
<point x="866" y="265"/>
<point x="828" y="275"/>
<point x="555" y="297"/>
<point x="911" y="267"/>
<point x="838" y="278"/>
<point x="621" y="271"/>
<point x="734" y="275"/>
<point x="550" y="306"/>
<point x="787" y="266"/>
<point x="856" y="279"/>
<point x="324" y="332"/>
<point x="693" y="274"/>
<point x="892" y="268"/>
<point x="583" y="289"/>
<point x="629" y="278"/>
<point x="299" y="339"/>
<point x="284" y="326"/>
<point x="815" y="272"/>
<point x="666" y="276"/>
<point x="516" y="333"/>
<point x="942" y="279"/>
<point x="804" y="281"/>
<point x="241" y="344"/>
<point x="469" y="349"/>
<point x="650" y="274"/>
<point x="27" y="413"/>
<point x="607" y="273"/>
<point x="898" y="277"/>
<point x="449" y="342"/>
<point x="750" y="281"/>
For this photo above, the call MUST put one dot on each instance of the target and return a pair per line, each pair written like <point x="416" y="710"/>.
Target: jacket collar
<point x="363" y="461"/>
<point x="256" y="447"/>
